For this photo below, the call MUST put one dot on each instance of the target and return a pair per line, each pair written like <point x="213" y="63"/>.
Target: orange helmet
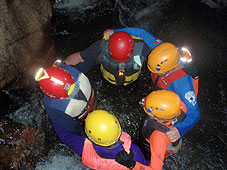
<point x="163" y="104"/>
<point x="163" y="58"/>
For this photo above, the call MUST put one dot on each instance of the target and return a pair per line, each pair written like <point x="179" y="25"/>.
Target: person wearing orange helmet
<point x="120" y="56"/>
<point x="164" y="110"/>
<point x="171" y="68"/>
<point x="68" y="96"/>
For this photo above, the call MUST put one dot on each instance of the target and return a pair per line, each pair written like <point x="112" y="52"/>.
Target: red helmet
<point x="121" y="45"/>
<point x="55" y="82"/>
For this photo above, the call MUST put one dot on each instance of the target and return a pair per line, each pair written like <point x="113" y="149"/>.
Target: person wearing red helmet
<point x="121" y="46"/>
<point x="68" y="97"/>
<point x="120" y="56"/>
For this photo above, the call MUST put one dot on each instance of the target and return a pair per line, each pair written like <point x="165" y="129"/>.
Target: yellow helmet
<point x="102" y="128"/>
<point x="163" y="58"/>
<point x="163" y="104"/>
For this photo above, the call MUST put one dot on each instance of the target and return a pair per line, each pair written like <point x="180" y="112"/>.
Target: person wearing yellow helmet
<point x="163" y="108"/>
<point x="102" y="128"/>
<point x="103" y="138"/>
<point x="171" y="68"/>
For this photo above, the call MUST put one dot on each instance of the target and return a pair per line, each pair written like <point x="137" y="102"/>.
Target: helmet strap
<point x="121" y="67"/>
<point x="115" y="145"/>
<point x="174" y="121"/>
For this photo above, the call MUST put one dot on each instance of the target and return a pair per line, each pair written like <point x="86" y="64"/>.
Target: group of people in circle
<point x="96" y="135"/>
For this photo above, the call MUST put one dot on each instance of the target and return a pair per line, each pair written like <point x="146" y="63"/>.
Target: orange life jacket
<point x="150" y="125"/>
<point x="92" y="160"/>
<point x="173" y="147"/>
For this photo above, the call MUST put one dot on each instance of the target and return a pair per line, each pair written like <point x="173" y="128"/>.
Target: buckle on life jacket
<point x="121" y="69"/>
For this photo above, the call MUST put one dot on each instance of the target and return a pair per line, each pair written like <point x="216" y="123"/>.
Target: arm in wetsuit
<point x="158" y="145"/>
<point x="85" y="59"/>
<point x="59" y="116"/>
<point x="74" y="141"/>
<point x="147" y="37"/>
<point x="185" y="89"/>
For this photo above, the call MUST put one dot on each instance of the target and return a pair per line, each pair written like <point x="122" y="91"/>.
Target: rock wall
<point x="25" y="39"/>
<point x="21" y="146"/>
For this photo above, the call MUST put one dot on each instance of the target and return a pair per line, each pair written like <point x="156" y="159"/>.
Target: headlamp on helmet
<point x="185" y="55"/>
<point x="55" y="82"/>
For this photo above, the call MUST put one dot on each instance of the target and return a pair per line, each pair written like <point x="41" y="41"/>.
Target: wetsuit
<point x="179" y="82"/>
<point x="77" y="143"/>
<point x="67" y="112"/>
<point x="98" y="53"/>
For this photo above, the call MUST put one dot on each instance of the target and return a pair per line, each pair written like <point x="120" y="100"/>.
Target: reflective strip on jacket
<point x="92" y="160"/>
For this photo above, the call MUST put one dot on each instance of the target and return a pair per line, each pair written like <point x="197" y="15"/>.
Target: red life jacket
<point x="163" y="82"/>
<point x="92" y="160"/>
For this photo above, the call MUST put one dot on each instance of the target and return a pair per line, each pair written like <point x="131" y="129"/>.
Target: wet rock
<point x="21" y="146"/>
<point x="25" y="38"/>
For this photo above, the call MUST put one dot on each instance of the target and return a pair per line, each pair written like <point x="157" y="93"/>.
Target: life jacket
<point x="92" y="160"/>
<point x="78" y="108"/>
<point x="150" y="125"/>
<point x="121" y="73"/>
<point x="163" y="82"/>
<point x="81" y="101"/>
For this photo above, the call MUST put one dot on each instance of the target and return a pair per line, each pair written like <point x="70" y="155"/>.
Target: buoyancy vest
<point x="92" y="160"/>
<point x="150" y="125"/>
<point x="79" y="107"/>
<point x="121" y="73"/>
<point x="163" y="82"/>
<point x="81" y="101"/>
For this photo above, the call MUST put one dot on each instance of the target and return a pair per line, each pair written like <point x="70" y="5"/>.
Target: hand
<point x="74" y="59"/>
<point x="173" y="134"/>
<point x="108" y="32"/>
<point x="126" y="159"/>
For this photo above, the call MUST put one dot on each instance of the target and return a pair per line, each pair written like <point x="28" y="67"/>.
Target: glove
<point x="126" y="159"/>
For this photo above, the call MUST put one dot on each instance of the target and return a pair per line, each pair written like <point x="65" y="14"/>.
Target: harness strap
<point x="91" y="105"/>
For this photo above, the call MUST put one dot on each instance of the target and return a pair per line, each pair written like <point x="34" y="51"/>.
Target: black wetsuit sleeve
<point x="90" y="57"/>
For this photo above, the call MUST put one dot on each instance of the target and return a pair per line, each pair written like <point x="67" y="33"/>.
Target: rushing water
<point x="198" y="25"/>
